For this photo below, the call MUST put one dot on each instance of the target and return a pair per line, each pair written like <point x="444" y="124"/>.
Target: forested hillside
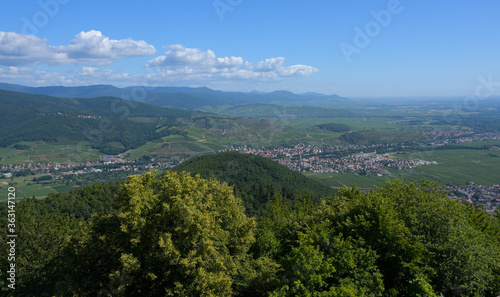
<point x="107" y="123"/>
<point x="180" y="235"/>
<point x="255" y="179"/>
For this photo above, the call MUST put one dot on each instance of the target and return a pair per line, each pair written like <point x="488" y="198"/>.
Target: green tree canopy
<point x="175" y="236"/>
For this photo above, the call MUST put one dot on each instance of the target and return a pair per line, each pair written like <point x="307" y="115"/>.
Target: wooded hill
<point x="255" y="179"/>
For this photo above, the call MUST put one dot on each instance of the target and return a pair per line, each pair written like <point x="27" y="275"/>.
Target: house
<point x="107" y="158"/>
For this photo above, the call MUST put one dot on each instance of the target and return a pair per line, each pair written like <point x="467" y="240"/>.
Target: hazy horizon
<point x="389" y="98"/>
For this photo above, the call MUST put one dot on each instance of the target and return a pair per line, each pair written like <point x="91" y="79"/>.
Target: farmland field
<point x="42" y="152"/>
<point x="457" y="167"/>
<point x="25" y="187"/>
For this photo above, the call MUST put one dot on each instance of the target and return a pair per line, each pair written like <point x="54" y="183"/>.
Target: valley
<point x="349" y="142"/>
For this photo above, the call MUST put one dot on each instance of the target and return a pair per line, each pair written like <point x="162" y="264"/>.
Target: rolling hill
<point x="255" y="179"/>
<point x="110" y="124"/>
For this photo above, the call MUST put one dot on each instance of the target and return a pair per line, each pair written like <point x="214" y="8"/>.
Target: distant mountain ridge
<point x="181" y="97"/>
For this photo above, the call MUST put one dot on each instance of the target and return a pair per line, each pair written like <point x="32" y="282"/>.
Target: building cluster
<point x="307" y="149"/>
<point x="108" y="159"/>
<point x="36" y="167"/>
<point x="485" y="196"/>
<point x="108" y="163"/>
<point x="83" y="116"/>
<point x="451" y="136"/>
<point x="321" y="159"/>
<point x="360" y="163"/>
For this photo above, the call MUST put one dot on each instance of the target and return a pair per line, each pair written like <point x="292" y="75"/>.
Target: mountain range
<point x="181" y="97"/>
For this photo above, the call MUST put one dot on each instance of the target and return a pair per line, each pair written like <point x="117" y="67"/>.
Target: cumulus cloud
<point x="27" y="75"/>
<point x="87" y="47"/>
<point x="97" y="75"/>
<point x="229" y="62"/>
<point x="93" y="46"/>
<point x="83" y="76"/>
<point x="276" y="65"/>
<point x="194" y="63"/>
<point x="296" y="70"/>
<point x="178" y="55"/>
<point x="19" y="50"/>
<point x="179" y="64"/>
<point x="271" y="64"/>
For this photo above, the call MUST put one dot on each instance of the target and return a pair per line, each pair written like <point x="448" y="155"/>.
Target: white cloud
<point x="93" y="75"/>
<point x="229" y="62"/>
<point x="297" y="70"/>
<point x="179" y="65"/>
<point x="276" y="65"/>
<point x="185" y="76"/>
<point x="178" y="55"/>
<point x="29" y="76"/>
<point x="92" y="46"/>
<point x="83" y="76"/>
<point x="185" y="63"/>
<point x="270" y="64"/>
<point x="88" y="71"/>
<point x="86" y="48"/>
<point x="19" y="49"/>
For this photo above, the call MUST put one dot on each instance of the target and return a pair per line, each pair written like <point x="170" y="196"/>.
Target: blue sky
<point x="352" y="48"/>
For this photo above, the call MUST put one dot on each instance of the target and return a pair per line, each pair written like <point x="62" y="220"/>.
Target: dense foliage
<point x="175" y="236"/>
<point x="81" y="203"/>
<point x="78" y="203"/>
<point x="255" y="179"/>
<point x="180" y="235"/>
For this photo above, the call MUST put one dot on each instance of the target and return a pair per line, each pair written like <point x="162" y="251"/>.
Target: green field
<point x="457" y="166"/>
<point x="42" y="152"/>
<point x="477" y="144"/>
<point x="25" y="187"/>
